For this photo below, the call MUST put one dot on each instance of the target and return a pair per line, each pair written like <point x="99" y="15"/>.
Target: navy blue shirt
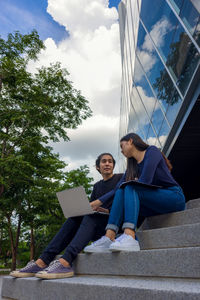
<point x="102" y="187"/>
<point x="152" y="170"/>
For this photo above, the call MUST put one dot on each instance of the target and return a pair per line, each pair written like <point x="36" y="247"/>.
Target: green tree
<point x="34" y="110"/>
<point x="52" y="218"/>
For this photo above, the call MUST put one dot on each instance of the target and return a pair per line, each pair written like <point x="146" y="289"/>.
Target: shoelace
<point x="121" y="237"/>
<point x="52" y="265"/>
<point x="98" y="242"/>
<point x="29" y="264"/>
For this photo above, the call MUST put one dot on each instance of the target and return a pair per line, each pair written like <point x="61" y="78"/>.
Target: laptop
<point x="74" y="202"/>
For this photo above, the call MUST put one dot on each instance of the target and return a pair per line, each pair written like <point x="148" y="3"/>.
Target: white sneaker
<point x="101" y="245"/>
<point x="125" y="243"/>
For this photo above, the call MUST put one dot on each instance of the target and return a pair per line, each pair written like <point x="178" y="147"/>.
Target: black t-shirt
<point x="102" y="187"/>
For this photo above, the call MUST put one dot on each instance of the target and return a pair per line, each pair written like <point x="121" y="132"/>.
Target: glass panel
<point x="172" y="42"/>
<point x="133" y="121"/>
<point x="128" y="63"/>
<point x="184" y="59"/>
<point x="155" y="70"/>
<point x="143" y="88"/>
<point x="152" y="139"/>
<point x="130" y="32"/>
<point x="134" y="124"/>
<point x="135" y="19"/>
<point x="172" y="111"/>
<point x="163" y="132"/>
<point x="157" y="118"/>
<point x="124" y="104"/>
<point x="189" y="16"/>
<point x="140" y="111"/>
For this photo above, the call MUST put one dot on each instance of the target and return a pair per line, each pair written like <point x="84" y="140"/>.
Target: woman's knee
<point x="119" y="193"/>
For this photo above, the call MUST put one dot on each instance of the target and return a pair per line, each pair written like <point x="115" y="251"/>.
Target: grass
<point x="4" y="272"/>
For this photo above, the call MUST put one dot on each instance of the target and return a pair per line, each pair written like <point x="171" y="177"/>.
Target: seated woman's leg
<point x="127" y="242"/>
<point x="131" y="207"/>
<point x="114" y="221"/>
<point x="160" y="201"/>
<point x="117" y="211"/>
<point x="61" y="239"/>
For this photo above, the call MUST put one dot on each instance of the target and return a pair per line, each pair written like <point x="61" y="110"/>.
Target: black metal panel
<point x="185" y="155"/>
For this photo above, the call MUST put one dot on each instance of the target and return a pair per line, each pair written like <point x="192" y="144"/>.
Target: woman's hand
<point x="95" y="204"/>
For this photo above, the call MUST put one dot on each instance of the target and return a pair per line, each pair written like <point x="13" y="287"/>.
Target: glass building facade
<point x="160" y="49"/>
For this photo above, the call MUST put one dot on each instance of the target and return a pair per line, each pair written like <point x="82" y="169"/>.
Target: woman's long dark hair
<point x="132" y="166"/>
<point x="168" y="163"/>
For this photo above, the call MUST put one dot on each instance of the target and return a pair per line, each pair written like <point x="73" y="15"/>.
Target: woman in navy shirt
<point x="145" y="164"/>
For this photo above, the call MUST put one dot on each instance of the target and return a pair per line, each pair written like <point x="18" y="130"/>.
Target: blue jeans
<point x="133" y="200"/>
<point x="74" y="235"/>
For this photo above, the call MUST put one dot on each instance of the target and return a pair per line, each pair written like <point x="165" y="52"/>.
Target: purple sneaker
<point x="55" y="270"/>
<point x="28" y="271"/>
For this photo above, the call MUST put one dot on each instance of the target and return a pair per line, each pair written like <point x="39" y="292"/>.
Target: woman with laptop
<point x="76" y="232"/>
<point x="148" y="189"/>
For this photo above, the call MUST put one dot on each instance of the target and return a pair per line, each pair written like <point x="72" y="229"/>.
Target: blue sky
<point x="92" y="57"/>
<point x="24" y="15"/>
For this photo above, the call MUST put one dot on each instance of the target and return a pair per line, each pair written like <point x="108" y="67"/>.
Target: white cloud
<point x="82" y="16"/>
<point x="92" y="56"/>
<point x="88" y="141"/>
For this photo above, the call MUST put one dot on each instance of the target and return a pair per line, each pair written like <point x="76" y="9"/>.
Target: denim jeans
<point x="74" y="235"/>
<point x="133" y="201"/>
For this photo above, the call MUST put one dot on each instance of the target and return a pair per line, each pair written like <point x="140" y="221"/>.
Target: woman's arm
<point x="106" y="197"/>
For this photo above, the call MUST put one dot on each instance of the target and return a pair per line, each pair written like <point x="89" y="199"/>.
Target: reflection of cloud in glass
<point x="154" y="141"/>
<point x="157" y="34"/>
<point x="148" y="61"/>
<point x="142" y="116"/>
<point x="149" y="101"/>
<point x="133" y="121"/>
<point x="162" y="139"/>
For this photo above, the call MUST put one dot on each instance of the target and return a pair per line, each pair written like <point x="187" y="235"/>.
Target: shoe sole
<point x="97" y="251"/>
<point x="22" y="275"/>
<point x="55" y="276"/>
<point x="124" y="249"/>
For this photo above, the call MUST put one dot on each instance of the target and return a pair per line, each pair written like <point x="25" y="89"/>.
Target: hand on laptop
<point x="95" y="204"/>
<point x="104" y="210"/>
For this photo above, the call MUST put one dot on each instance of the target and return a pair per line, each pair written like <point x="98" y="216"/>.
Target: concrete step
<point x="101" y="288"/>
<point x="170" y="237"/>
<point x="193" y="203"/>
<point x="173" y="262"/>
<point x="189" y="216"/>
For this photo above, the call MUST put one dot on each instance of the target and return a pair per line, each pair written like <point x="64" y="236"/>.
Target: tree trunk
<point x="14" y="246"/>
<point x="32" y="247"/>
<point x="14" y="259"/>
<point x="1" y="189"/>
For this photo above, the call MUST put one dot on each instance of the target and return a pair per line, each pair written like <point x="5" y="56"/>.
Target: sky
<point x="84" y="36"/>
